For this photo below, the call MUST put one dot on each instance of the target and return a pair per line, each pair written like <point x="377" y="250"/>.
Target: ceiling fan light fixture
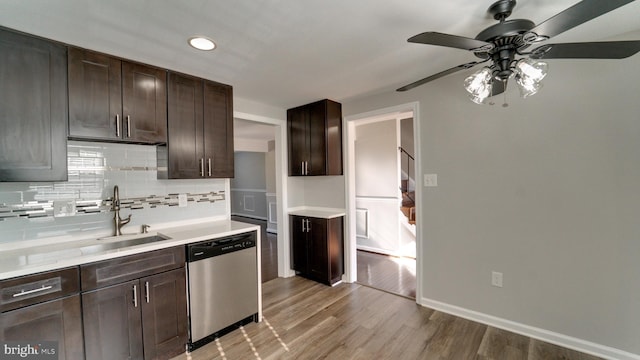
<point x="202" y="43"/>
<point x="532" y="70"/>
<point x="479" y="85"/>
<point x="527" y="87"/>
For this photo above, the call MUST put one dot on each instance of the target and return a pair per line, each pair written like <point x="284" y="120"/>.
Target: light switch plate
<point x="430" y="180"/>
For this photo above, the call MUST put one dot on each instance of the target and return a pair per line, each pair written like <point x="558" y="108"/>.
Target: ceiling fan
<point x="499" y="44"/>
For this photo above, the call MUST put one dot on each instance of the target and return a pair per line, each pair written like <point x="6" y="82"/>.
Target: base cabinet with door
<point x="33" y="108"/>
<point x="317" y="246"/>
<point x="116" y="100"/>
<point x="135" y="307"/>
<point x="43" y="307"/>
<point x="200" y="130"/>
<point x="315" y="139"/>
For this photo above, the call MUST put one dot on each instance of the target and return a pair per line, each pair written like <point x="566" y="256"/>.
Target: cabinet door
<point x="299" y="244"/>
<point x="56" y="320"/>
<point x="144" y="103"/>
<point x="95" y="95"/>
<point x="185" y="130"/>
<point x="297" y="121"/>
<point x="33" y="109"/>
<point x="317" y="161"/>
<point x="218" y="130"/>
<point x="318" y="250"/>
<point x="164" y="314"/>
<point x="112" y="322"/>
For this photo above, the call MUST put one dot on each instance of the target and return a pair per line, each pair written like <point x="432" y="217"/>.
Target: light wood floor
<point x="396" y="275"/>
<point x="306" y="320"/>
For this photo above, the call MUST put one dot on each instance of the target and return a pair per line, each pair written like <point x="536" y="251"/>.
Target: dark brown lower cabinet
<point x="139" y="319"/>
<point x="164" y="320"/>
<point x="57" y="320"/>
<point x="317" y="247"/>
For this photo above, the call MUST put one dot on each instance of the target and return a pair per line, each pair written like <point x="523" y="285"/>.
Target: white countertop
<point x="35" y="259"/>
<point x="317" y="212"/>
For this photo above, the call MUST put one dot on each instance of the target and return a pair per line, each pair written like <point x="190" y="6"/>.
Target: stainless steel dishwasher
<point x="222" y="286"/>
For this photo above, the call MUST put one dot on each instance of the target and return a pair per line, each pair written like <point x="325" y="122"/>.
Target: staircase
<point x="408" y="206"/>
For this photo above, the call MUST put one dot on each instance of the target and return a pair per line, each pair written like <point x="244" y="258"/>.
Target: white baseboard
<point x="382" y="251"/>
<point x="533" y="332"/>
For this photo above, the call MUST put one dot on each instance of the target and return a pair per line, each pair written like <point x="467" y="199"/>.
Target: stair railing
<point x="406" y="158"/>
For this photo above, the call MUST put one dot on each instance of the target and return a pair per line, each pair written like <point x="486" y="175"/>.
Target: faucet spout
<point x="118" y="222"/>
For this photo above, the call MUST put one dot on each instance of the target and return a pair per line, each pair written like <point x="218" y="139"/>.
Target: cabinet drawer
<point x="31" y="289"/>
<point x="109" y="272"/>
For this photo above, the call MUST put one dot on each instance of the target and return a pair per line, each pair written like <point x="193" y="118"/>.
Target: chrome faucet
<point x="115" y="207"/>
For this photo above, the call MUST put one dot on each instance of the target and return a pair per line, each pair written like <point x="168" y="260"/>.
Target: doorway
<point x="256" y="191"/>
<point x="382" y="230"/>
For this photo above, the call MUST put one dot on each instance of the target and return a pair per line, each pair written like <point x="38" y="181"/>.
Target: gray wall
<point x="249" y="186"/>
<point x="545" y="191"/>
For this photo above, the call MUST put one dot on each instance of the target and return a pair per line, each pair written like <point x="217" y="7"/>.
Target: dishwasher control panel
<point x="209" y="248"/>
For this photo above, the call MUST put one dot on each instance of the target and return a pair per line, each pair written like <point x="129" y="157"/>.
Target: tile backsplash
<point x="82" y="204"/>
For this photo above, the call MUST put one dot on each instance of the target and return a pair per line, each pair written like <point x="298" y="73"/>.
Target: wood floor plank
<point x="499" y="344"/>
<point x="307" y="320"/>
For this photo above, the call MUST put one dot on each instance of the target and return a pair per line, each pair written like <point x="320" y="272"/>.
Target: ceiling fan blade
<point x="454" y="41"/>
<point x="438" y="75"/>
<point x="589" y="50"/>
<point x="576" y="15"/>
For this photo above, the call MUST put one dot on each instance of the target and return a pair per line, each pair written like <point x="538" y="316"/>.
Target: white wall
<point x="546" y="191"/>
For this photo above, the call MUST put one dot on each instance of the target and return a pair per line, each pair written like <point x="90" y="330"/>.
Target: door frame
<point x="349" y="123"/>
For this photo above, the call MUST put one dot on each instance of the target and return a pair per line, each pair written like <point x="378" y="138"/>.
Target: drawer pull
<point x="146" y="291"/>
<point x="23" y="293"/>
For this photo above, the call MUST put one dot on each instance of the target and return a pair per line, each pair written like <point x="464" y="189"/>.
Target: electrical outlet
<point x="430" y="180"/>
<point x="182" y="200"/>
<point x="64" y="208"/>
<point x="496" y="279"/>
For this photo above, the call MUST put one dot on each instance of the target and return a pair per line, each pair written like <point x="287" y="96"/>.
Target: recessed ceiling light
<point x="202" y="43"/>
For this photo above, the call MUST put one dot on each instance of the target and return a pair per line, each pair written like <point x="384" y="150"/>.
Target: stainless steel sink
<point x="91" y="249"/>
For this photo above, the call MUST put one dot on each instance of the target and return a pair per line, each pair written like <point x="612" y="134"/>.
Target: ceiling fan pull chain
<point x="504" y="104"/>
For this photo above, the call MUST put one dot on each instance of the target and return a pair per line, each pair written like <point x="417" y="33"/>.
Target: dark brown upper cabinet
<point x="116" y="100"/>
<point x="33" y="108"/>
<point x="200" y="130"/>
<point x="315" y="139"/>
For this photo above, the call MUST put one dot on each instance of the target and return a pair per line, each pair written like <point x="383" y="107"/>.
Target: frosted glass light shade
<point x="532" y="69"/>
<point x="479" y="85"/>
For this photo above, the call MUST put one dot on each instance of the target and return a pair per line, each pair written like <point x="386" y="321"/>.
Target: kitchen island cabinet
<point x="315" y="139"/>
<point x="115" y="100"/>
<point x="127" y="315"/>
<point x="33" y="108"/>
<point x="317" y="248"/>
<point x="200" y="130"/>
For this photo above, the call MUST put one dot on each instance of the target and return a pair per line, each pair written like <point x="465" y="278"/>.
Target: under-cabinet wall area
<point x="35" y="210"/>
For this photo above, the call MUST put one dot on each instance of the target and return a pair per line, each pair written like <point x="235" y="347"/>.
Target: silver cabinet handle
<point x="135" y="295"/>
<point x="308" y="225"/>
<point x="303" y="229"/>
<point x="306" y="168"/>
<point x="128" y="126"/>
<point x="202" y="167"/>
<point x="23" y="293"/>
<point x="209" y="167"/>
<point x="118" y="125"/>
<point x="146" y="291"/>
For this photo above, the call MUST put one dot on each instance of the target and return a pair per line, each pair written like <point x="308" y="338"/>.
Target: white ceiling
<point x="290" y="52"/>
